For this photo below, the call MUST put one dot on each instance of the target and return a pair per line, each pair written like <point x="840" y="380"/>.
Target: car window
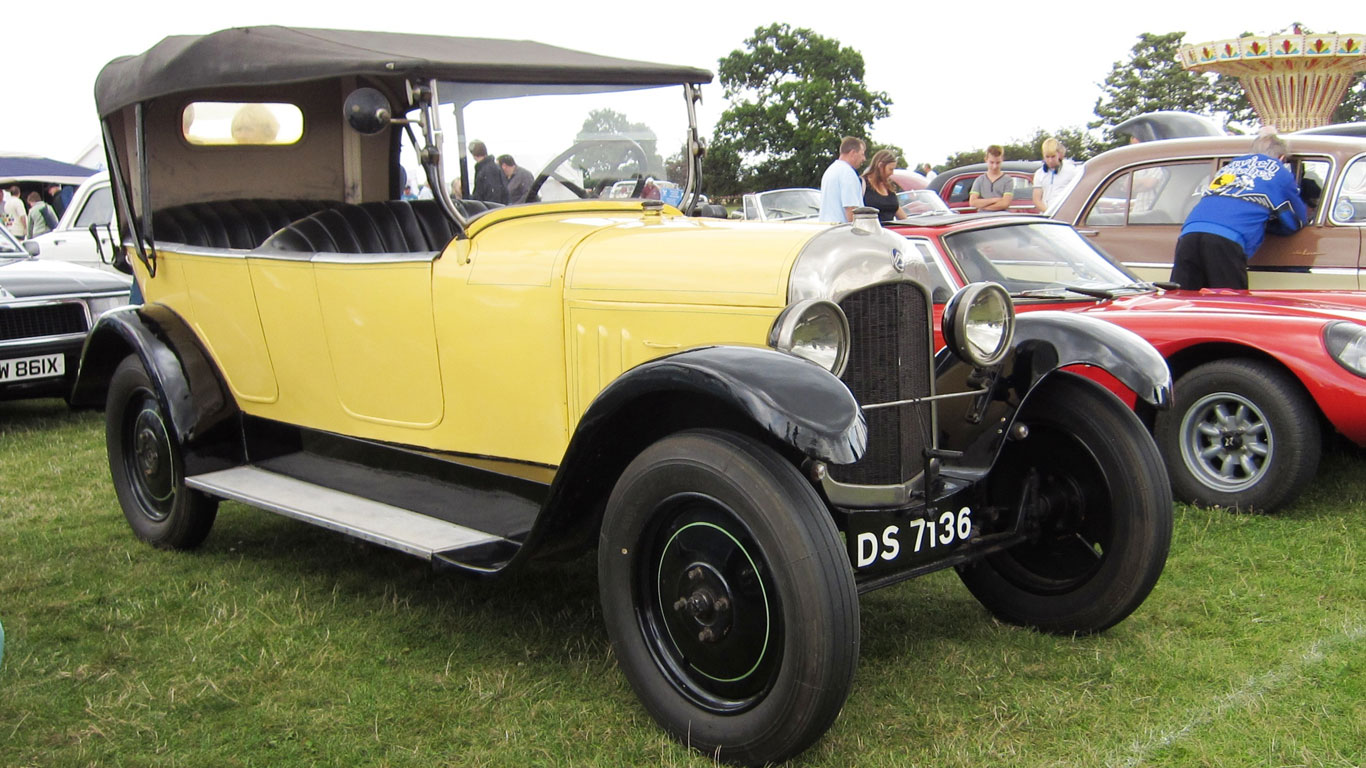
<point x="1349" y="207"/>
<point x="751" y="212"/>
<point x="962" y="187"/>
<point x="224" y="123"/>
<point x="1110" y="207"/>
<point x="1164" y="194"/>
<point x="98" y="209"/>
<point x="1024" y="188"/>
<point x="1312" y="174"/>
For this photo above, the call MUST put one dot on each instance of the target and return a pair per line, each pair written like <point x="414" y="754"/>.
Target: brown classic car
<point x="1133" y="200"/>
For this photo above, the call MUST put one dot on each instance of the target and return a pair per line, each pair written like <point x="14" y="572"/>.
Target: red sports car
<point x="1259" y="374"/>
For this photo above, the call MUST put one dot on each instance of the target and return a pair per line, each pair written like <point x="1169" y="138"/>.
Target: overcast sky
<point x="960" y="75"/>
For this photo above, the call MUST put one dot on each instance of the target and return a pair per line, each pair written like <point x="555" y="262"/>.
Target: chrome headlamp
<point x="979" y="323"/>
<point x="1346" y="343"/>
<point x="814" y="329"/>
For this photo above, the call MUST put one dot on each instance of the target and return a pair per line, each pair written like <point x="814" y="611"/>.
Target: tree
<point x="793" y="95"/>
<point x="1153" y="79"/>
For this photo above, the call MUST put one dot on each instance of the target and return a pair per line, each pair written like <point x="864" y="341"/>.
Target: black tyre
<point x="146" y="464"/>
<point x="1242" y="434"/>
<point x="728" y="597"/>
<point x="1090" y="476"/>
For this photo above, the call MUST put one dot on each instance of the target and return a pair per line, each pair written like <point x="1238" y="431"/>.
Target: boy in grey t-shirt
<point x="993" y="190"/>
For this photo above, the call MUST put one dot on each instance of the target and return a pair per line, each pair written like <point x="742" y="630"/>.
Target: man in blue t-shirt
<point x="1251" y="195"/>
<point x="841" y="190"/>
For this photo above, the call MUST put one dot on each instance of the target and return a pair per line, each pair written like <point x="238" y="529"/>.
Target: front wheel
<point x="1098" y="506"/>
<point x="728" y="597"/>
<point x="1242" y="434"/>
<point x="147" y="467"/>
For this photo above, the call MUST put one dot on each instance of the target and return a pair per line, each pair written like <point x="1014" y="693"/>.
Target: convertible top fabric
<point x="246" y="56"/>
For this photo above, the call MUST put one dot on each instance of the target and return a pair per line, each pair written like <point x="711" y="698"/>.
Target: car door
<point x="957" y="190"/>
<point x="1138" y="214"/>
<point x="72" y="241"/>
<point x="1326" y="254"/>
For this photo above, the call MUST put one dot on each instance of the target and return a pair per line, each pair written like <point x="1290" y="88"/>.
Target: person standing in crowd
<point x="16" y="221"/>
<point x="41" y="219"/>
<point x="490" y="185"/>
<point x="1251" y="195"/>
<point x="519" y="179"/>
<point x="841" y="191"/>
<point x="879" y="191"/>
<point x="927" y="171"/>
<point x="993" y="190"/>
<point x="1054" y="175"/>
<point x="59" y="198"/>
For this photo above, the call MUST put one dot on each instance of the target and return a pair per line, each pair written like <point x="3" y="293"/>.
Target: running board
<point x="384" y="524"/>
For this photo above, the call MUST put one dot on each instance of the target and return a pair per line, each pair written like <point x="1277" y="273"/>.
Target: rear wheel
<point x="1091" y="483"/>
<point x="147" y="467"/>
<point x="1242" y="434"/>
<point x="728" y="597"/>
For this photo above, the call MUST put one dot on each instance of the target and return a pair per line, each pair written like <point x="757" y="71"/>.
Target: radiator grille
<point x="890" y="359"/>
<point x="43" y="320"/>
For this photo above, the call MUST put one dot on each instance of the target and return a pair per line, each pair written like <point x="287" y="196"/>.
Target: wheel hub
<point x="708" y="607"/>
<point x="146" y="449"/>
<point x="1226" y="441"/>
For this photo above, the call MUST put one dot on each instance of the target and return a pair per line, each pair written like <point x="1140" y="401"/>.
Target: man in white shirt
<point x="841" y="190"/>
<point x="1054" y="176"/>
<point x="15" y="216"/>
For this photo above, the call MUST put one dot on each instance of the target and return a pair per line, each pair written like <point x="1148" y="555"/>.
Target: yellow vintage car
<point x="748" y="421"/>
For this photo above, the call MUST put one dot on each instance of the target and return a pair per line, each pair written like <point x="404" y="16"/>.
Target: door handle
<point x="1088" y="232"/>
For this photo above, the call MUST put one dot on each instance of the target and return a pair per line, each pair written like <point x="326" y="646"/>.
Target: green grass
<point x="279" y="644"/>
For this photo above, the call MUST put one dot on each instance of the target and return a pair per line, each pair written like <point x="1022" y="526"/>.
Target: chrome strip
<point x="928" y="399"/>
<point x="324" y="257"/>
<point x="321" y="257"/>
<point x="35" y="340"/>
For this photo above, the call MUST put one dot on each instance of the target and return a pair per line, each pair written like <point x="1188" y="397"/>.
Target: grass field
<point x="278" y="644"/>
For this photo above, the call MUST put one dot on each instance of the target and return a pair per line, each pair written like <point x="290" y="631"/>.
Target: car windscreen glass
<point x="791" y="204"/>
<point x="98" y="209"/>
<point x="576" y="142"/>
<point x="1028" y="257"/>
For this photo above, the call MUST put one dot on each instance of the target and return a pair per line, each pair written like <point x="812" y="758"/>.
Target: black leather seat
<point x="385" y="226"/>
<point x="230" y="223"/>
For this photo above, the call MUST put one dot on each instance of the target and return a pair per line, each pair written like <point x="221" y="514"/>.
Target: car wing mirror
<point x="31" y="247"/>
<point x="368" y="111"/>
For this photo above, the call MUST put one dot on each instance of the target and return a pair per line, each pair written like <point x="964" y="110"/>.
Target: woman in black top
<point x="879" y="191"/>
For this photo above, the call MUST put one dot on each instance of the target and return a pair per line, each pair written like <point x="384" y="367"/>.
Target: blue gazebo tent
<point x="19" y="169"/>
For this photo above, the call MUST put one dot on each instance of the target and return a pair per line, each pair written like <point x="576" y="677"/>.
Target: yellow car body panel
<point x="497" y="346"/>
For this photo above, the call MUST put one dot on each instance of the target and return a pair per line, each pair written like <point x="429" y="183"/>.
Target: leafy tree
<point x="1153" y="79"/>
<point x="793" y="95"/>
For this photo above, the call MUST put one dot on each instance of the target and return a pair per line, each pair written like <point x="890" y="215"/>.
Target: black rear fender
<point x="203" y="413"/>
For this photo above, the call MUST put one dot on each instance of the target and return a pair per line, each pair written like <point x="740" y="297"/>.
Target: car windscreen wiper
<point x="1057" y="292"/>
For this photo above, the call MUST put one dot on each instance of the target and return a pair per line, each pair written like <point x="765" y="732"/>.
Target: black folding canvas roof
<point x="247" y="56"/>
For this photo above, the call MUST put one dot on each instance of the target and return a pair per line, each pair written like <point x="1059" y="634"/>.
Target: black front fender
<point x="186" y="379"/>
<point x="1044" y="343"/>
<point x="797" y="402"/>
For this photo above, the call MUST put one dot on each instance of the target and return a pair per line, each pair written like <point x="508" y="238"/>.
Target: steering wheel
<point x="632" y="148"/>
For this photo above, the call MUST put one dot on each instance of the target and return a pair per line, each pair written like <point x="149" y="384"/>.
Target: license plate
<point x="892" y="543"/>
<point x="41" y="367"/>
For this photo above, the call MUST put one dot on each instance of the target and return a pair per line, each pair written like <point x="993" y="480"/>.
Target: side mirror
<point x="368" y="111"/>
<point x="31" y="247"/>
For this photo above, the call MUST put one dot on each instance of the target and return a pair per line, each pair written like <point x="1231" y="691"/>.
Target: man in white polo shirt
<point x="841" y="190"/>
<point x="1055" y="174"/>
